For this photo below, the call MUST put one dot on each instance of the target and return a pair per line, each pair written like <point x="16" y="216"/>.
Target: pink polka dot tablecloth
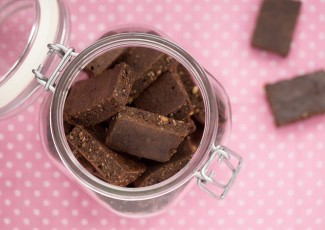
<point x="282" y="182"/>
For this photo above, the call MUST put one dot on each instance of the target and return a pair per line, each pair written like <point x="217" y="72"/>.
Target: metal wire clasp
<point x="65" y="55"/>
<point x="204" y="177"/>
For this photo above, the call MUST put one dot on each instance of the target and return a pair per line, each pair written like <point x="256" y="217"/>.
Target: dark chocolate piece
<point x="104" y="61"/>
<point x="117" y="169"/>
<point x="298" y="98"/>
<point x="148" y="65"/>
<point x="275" y="25"/>
<point x="92" y="101"/>
<point x="146" y="134"/>
<point x="193" y="92"/>
<point x="166" y="96"/>
<point x="162" y="171"/>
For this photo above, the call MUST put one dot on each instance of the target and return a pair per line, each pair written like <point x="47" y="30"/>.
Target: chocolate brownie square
<point x="147" y="64"/>
<point x="157" y="173"/>
<point x="275" y="25"/>
<point x="104" y="61"/>
<point x="95" y="100"/>
<point x="116" y="168"/>
<point x="144" y="134"/>
<point x="166" y="96"/>
<point x="298" y="98"/>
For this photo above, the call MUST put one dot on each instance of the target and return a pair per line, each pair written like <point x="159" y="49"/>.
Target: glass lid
<point x="26" y="27"/>
<point x="17" y="30"/>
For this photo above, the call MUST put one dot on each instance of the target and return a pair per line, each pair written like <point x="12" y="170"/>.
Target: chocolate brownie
<point x="162" y="171"/>
<point x="117" y="168"/>
<point x="97" y="99"/>
<point x="297" y="98"/>
<point x="147" y="64"/>
<point x="104" y="61"/>
<point x="146" y="134"/>
<point x="275" y="25"/>
<point x="166" y="96"/>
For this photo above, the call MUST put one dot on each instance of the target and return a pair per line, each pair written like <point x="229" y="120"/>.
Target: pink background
<point x="282" y="183"/>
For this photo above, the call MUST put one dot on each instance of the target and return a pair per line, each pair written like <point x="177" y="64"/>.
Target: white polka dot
<point x="85" y="203"/>
<point x="55" y="193"/>
<point x="46" y="203"/>
<point x="45" y="221"/>
<point x="74" y="212"/>
<point x="103" y="222"/>
<point x="47" y="165"/>
<point x="75" y="193"/>
<point x="9" y="164"/>
<point x="65" y="221"/>
<point x="84" y="222"/>
<point x="8" y="184"/>
<point x="162" y="221"/>
<point x="28" y="165"/>
<point x="10" y="127"/>
<point x="37" y="193"/>
<point x="17" y="212"/>
<point x="10" y="145"/>
<point x="20" y="136"/>
<point x="30" y="127"/>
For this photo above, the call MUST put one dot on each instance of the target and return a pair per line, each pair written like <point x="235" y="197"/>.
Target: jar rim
<point x="127" y="40"/>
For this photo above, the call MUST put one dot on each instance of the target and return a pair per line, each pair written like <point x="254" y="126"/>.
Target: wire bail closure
<point x="65" y="54"/>
<point x="204" y="177"/>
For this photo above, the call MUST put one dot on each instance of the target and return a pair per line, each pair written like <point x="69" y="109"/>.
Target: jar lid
<point x="26" y="27"/>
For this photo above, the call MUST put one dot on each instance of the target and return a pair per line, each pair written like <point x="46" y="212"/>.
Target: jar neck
<point x="140" y="40"/>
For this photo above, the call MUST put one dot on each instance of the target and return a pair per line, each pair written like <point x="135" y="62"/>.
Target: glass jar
<point x="63" y="65"/>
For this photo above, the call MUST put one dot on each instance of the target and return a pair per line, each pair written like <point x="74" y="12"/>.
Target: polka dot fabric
<point x="282" y="183"/>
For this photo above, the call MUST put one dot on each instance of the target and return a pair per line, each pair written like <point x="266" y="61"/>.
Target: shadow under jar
<point x="143" y="201"/>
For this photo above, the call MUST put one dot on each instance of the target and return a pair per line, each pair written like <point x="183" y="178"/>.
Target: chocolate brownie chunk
<point x="104" y="61"/>
<point x="275" y="25"/>
<point x="166" y="96"/>
<point x="97" y="99"/>
<point x="148" y="65"/>
<point x="162" y="171"/>
<point x="193" y="92"/>
<point x="145" y="134"/>
<point x="298" y="98"/>
<point x="117" y="169"/>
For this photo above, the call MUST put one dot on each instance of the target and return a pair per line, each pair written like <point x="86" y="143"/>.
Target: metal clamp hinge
<point x="204" y="177"/>
<point x="66" y="54"/>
